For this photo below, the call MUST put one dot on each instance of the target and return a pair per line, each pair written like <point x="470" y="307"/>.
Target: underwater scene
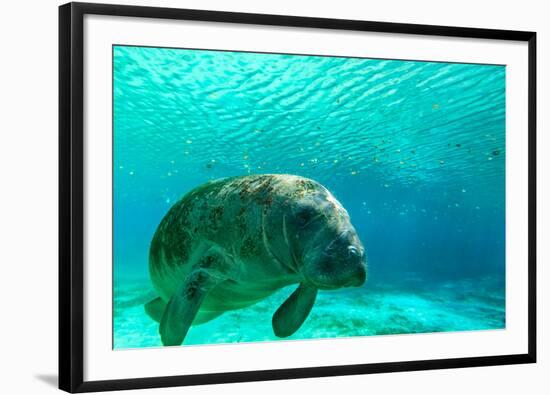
<point x="269" y="197"/>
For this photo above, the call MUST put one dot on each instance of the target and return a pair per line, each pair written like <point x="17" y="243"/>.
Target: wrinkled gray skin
<point x="230" y="243"/>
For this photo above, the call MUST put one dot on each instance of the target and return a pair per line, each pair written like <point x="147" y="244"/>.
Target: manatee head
<point x="327" y="248"/>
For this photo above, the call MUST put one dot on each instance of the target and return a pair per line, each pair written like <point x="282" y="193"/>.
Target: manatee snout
<point x="358" y="272"/>
<point x="340" y="263"/>
<point x="347" y="255"/>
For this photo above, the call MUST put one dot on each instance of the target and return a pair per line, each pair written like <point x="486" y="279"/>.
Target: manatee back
<point x="225" y="212"/>
<point x="197" y="217"/>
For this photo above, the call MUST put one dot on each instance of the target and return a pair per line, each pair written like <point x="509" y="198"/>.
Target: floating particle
<point x="375" y="159"/>
<point x="435" y="106"/>
<point x="258" y="130"/>
<point x="169" y="174"/>
<point x="213" y="160"/>
<point x="186" y="152"/>
<point x="302" y="164"/>
<point x="317" y="143"/>
<point x="189" y="141"/>
<point x="458" y="145"/>
<point x="386" y="185"/>
<point x="259" y="167"/>
<point x="364" y="203"/>
<point x="496" y="152"/>
<point x="246" y="166"/>
<point x="245" y="157"/>
<point x="131" y="173"/>
<point x="335" y="160"/>
<point x="172" y="161"/>
<point x="354" y="173"/>
<point x="398" y="150"/>
<point x="121" y="167"/>
<point x="477" y="207"/>
<point x="463" y="190"/>
<point x="490" y="158"/>
<point x="457" y="205"/>
<point x="401" y="162"/>
<point x="368" y="212"/>
<point x="441" y="162"/>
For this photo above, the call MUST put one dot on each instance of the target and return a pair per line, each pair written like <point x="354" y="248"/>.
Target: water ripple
<point x="408" y="123"/>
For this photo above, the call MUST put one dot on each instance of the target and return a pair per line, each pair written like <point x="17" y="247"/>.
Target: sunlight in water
<point x="414" y="151"/>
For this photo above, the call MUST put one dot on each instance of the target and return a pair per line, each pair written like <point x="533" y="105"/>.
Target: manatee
<point x="232" y="242"/>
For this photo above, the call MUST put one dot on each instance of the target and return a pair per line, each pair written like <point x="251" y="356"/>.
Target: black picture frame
<point x="71" y="195"/>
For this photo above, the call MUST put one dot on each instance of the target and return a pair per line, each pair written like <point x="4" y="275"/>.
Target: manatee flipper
<point x="155" y="309"/>
<point x="183" y="307"/>
<point x="293" y="312"/>
<point x="205" y="316"/>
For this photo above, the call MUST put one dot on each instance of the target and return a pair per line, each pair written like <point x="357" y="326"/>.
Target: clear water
<point x="414" y="151"/>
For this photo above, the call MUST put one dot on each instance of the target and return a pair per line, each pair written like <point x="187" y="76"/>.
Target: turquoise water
<point x="414" y="151"/>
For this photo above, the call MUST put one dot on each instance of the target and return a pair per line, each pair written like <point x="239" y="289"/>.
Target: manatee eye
<point x="305" y="215"/>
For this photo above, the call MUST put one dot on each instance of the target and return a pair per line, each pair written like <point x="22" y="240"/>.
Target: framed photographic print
<point x="258" y="197"/>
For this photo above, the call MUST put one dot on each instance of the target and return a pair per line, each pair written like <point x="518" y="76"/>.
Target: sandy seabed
<point x="465" y="305"/>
